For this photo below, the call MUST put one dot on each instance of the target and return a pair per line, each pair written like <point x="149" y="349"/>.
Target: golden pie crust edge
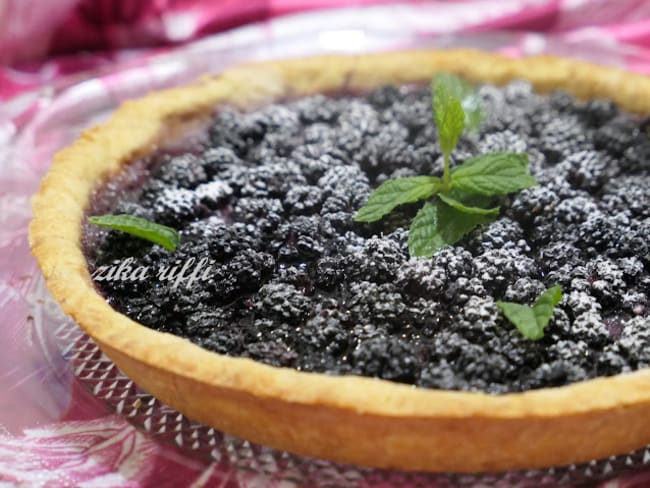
<point x="349" y="419"/>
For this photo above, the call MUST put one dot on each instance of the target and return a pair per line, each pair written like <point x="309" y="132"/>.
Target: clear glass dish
<point x="46" y="355"/>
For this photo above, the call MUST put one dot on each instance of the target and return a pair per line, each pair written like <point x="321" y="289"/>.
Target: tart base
<point x="348" y="419"/>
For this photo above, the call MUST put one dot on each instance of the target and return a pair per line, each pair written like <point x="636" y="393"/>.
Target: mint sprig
<point x="464" y="196"/>
<point x="167" y="237"/>
<point x="531" y="321"/>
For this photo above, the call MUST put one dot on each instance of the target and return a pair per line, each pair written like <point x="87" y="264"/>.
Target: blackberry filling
<point x="269" y="196"/>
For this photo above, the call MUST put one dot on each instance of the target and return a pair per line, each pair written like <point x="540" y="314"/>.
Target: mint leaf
<point x="392" y="193"/>
<point x="468" y="209"/>
<point x="448" y="111"/>
<point x="437" y="225"/>
<point x="471" y="102"/>
<point x="139" y="227"/>
<point x="531" y="321"/>
<point x="493" y="174"/>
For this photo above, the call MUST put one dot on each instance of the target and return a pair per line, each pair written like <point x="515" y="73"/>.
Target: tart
<point x="319" y="336"/>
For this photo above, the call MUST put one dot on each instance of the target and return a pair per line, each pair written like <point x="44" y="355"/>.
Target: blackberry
<point x="214" y="159"/>
<point x="581" y="302"/>
<point x="441" y="375"/>
<point x="214" y="193"/>
<point x="189" y="298"/>
<point x="272" y="353"/>
<point x="358" y="121"/>
<point x="383" y="97"/>
<point x="562" y="102"/>
<point x="481" y="311"/>
<point x="348" y="180"/>
<point x="498" y="234"/>
<point x="273" y="147"/>
<point x="462" y="289"/>
<point x="456" y="261"/>
<point x="557" y="259"/>
<point x="415" y="115"/>
<point x="573" y="352"/>
<point x="244" y="273"/>
<point x="628" y="194"/>
<point x="390" y="359"/>
<point x="231" y="342"/>
<point x="576" y="210"/>
<point x="325" y="332"/>
<point x="518" y="92"/>
<point x="537" y="163"/>
<point x="502" y="141"/>
<point x="634" y="342"/>
<point x="498" y="267"/>
<point x="631" y="267"/>
<point x="588" y="170"/>
<point x="420" y="277"/>
<point x="225" y="131"/>
<point x="606" y="279"/>
<point x="361" y="117"/>
<point x="531" y="202"/>
<point x="508" y="117"/>
<point x="378" y="261"/>
<point x="426" y="316"/>
<point x="400" y="237"/>
<point x="175" y="207"/>
<point x="561" y="137"/>
<point x="524" y="290"/>
<point x="319" y="134"/>
<point x="337" y="201"/>
<point x="225" y="240"/>
<point x="634" y="302"/>
<point x="203" y="323"/>
<point x="595" y="113"/>
<point x="636" y="158"/>
<point x="386" y="152"/>
<point x="283" y="301"/>
<point x="555" y="373"/>
<point x="616" y="136"/>
<point x="373" y="303"/>
<point x="336" y="223"/>
<point x="273" y="118"/>
<point x="303" y="199"/>
<point x="296" y="275"/>
<point x="611" y="361"/>
<point x="298" y="239"/>
<point x="264" y="213"/>
<point x="315" y="159"/>
<point x="317" y="109"/>
<point x="271" y="180"/>
<point x="590" y="328"/>
<point x="329" y="272"/>
<point x="614" y="236"/>
<point x="185" y="171"/>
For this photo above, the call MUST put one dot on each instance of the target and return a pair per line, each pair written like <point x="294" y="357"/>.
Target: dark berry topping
<point x="269" y="198"/>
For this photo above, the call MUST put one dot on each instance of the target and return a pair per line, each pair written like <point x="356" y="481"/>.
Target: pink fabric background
<point x="39" y="45"/>
<point x="53" y="432"/>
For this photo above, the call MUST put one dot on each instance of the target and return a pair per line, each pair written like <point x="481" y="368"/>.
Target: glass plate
<point x="37" y="124"/>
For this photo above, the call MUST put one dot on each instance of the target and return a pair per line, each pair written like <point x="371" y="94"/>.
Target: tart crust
<point x="350" y="419"/>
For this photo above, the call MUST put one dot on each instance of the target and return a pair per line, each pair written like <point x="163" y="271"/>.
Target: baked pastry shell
<point x="349" y="419"/>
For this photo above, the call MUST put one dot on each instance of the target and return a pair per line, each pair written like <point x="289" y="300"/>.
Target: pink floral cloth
<point x="110" y="31"/>
<point x="54" y="432"/>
